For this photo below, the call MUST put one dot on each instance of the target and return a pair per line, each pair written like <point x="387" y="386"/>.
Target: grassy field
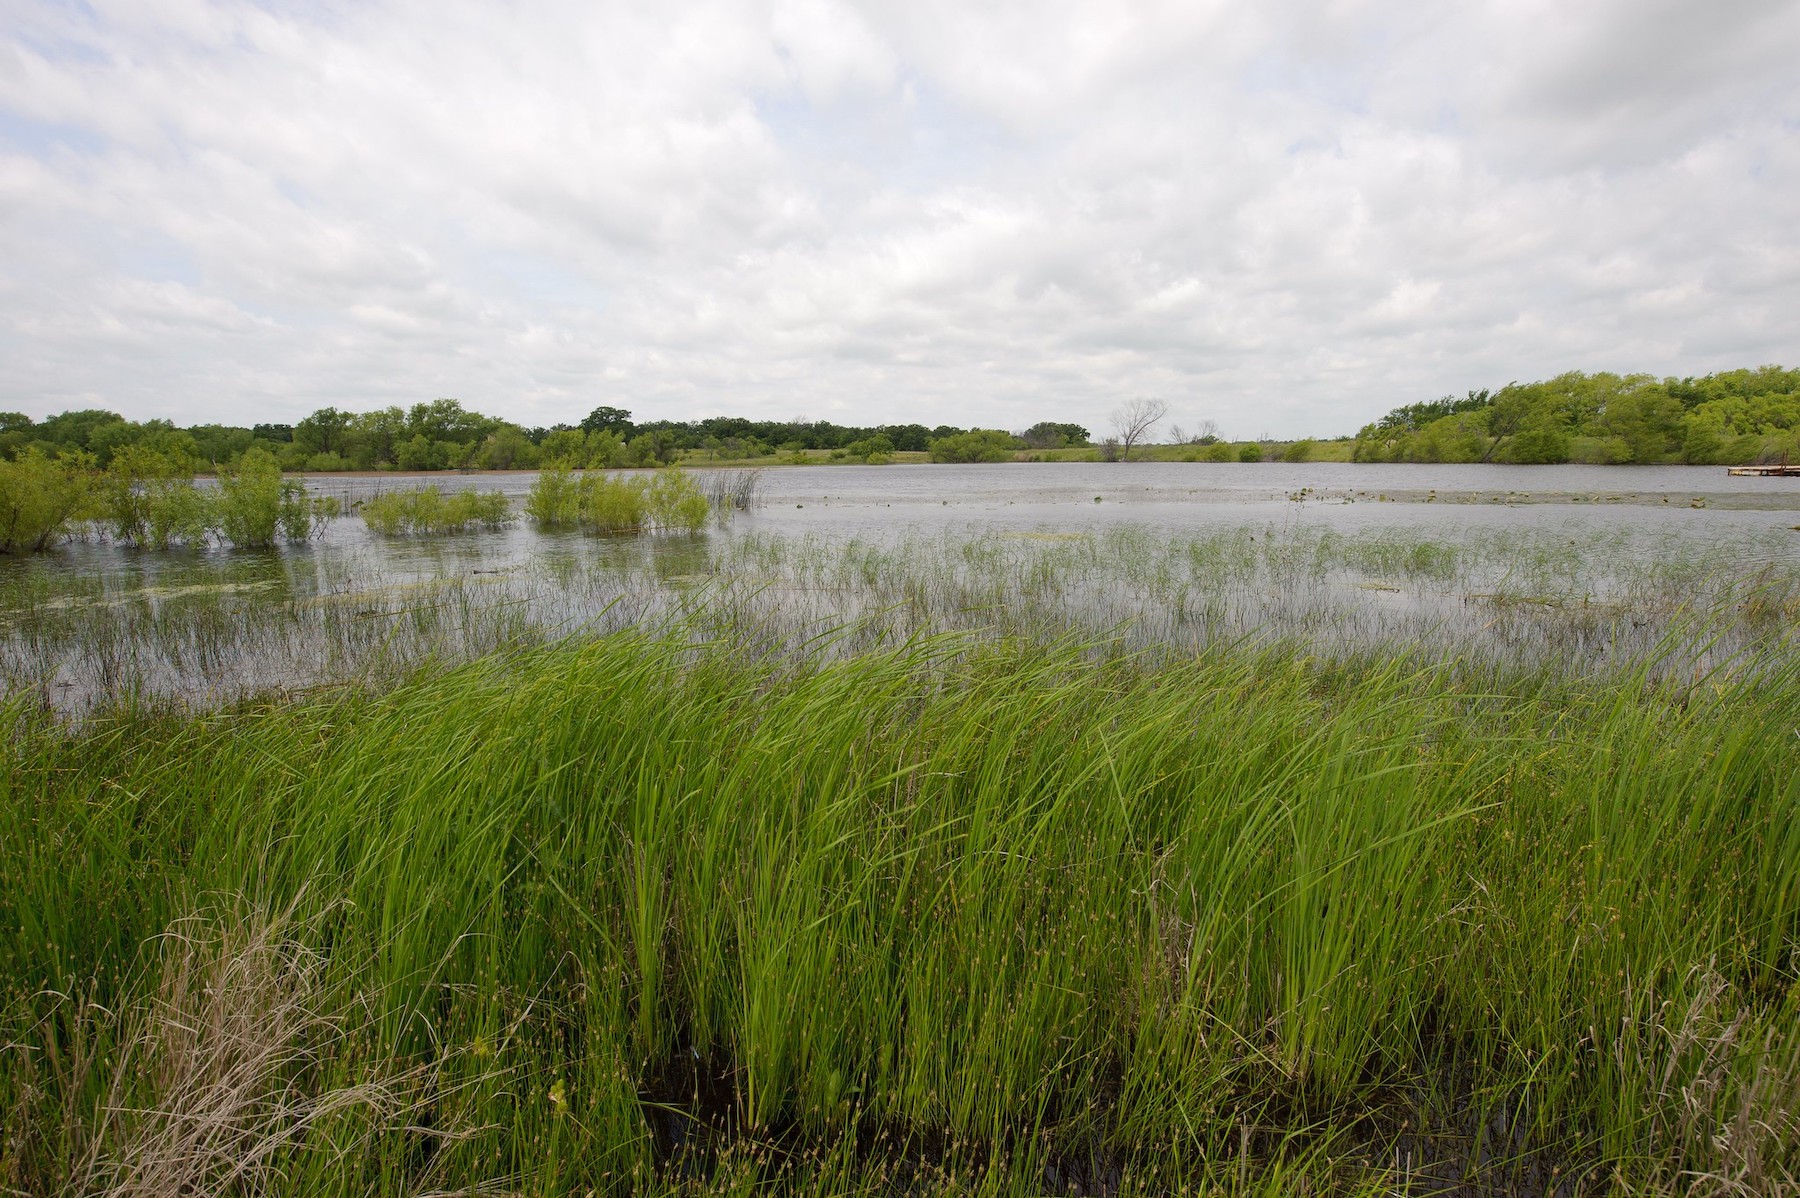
<point x="637" y="914"/>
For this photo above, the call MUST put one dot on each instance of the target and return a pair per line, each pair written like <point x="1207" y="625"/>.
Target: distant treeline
<point x="1734" y="417"/>
<point x="443" y="435"/>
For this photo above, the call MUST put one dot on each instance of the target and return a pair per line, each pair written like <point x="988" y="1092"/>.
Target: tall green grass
<point x="644" y="915"/>
<point x="427" y="510"/>
<point x="667" y="501"/>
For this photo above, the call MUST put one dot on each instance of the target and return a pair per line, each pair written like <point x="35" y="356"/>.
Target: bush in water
<point x="40" y="498"/>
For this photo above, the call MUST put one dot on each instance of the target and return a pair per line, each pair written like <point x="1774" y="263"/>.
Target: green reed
<point x="428" y="511"/>
<point x="652" y="913"/>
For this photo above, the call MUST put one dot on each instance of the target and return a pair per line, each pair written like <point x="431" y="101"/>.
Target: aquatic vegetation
<point x="40" y="500"/>
<point x="211" y="629"/>
<point x="255" y="506"/>
<point x="667" y="501"/>
<point x="659" y="912"/>
<point x="427" y="510"/>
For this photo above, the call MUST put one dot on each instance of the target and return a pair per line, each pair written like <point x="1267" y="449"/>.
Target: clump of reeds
<point x="732" y="490"/>
<point x="429" y="511"/>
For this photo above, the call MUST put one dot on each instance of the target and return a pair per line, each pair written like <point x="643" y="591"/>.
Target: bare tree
<point x="1205" y="433"/>
<point x="1133" y="422"/>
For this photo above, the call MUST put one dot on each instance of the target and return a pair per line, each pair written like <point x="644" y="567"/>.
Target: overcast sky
<point x="1285" y="217"/>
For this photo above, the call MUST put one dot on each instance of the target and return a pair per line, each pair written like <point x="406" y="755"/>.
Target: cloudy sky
<point x="1285" y="217"/>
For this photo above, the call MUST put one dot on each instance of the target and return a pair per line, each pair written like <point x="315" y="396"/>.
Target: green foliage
<point x="675" y="503"/>
<point x="611" y="504"/>
<point x="555" y="497"/>
<point x="1250" y="451"/>
<point x="1735" y="416"/>
<point x="955" y="907"/>
<point x="1298" y="451"/>
<point x="1218" y="451"/>
<point x="565" y="446"/>
<point x="507" y="448"/>
<point x="254" y="505"/>
<point x="607" y="419"/>
<point x="427" y="510"/>
<point x="657" y="447"/>
<point x="1052" y="434"/>
<point x="874" y="451"/>
<point x="976" y="445"/>
<point x="151" y="500"/>
<point x="41" y="498"/>
<point x="1535" y="447"/>
<point x="668" y="501"/>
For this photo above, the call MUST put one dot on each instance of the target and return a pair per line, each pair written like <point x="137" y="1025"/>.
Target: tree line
<point x="443" y="434"/>
<point x="1734" y="417"/>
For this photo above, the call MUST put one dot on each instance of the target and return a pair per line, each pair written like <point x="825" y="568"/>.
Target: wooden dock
<point x="1781" y="471"/>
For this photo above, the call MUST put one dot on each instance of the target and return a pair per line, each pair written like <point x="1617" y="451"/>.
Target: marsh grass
<point x="665" y="912"/>
<point x="667" y="501"/>
<point x="214" y="628"/>
<point x="428" y="511"/>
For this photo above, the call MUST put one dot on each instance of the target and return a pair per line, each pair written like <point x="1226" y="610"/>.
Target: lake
<point x="1571" y="566"/>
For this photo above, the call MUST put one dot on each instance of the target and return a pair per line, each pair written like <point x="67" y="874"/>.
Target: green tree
<point x="608" y="420"/>
<point x="976" y="445"/>
<point x="254" y="504"/>
<point x="1051" y="434"/>
<point x="325" y="431"/>
<point x="40" y="498"/>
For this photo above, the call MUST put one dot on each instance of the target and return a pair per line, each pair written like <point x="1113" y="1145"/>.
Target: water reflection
<point x="1174" y="556"/>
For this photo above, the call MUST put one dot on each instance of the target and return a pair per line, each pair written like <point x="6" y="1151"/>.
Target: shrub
<point x="150" y="499"/>
<point x="555" y="498"/>
<point x="676" y="503"/>
<point x="612" y="504"/>
<point x="1298" y="451"/>
<point x="39" y="498"/>
<point x="874" y="451"/>
<point x="1599" y="451"/>
<point x="1250" y="451"/>
<point x="428" y="510"/>
<point x="1218" y="452"/>
<point x="976" y="445"/>
<point x="255" y="505"/>
<point x="566" y="447"/>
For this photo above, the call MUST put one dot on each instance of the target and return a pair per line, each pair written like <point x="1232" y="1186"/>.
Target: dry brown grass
<point x="219" y="1080"/>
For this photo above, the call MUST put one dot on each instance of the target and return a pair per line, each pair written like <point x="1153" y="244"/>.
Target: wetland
<point x="1063" y="828"/>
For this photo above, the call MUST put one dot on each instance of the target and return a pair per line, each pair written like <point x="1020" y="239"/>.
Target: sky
<point x="1282" y="217"/>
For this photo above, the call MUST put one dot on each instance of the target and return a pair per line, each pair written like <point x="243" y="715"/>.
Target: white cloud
<point x="1286" y="217"/>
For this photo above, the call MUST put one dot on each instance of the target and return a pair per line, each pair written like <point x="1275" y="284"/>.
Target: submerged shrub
<point x="39" y="499"/>
<point x="255" y="505"/>
<point x="555" y="498"/>
<point x="668" y="501"/>
<point x="612" y="504"/>
<point x="675" y="503"/>
<point x="429" y="510"/>
<point x="150" y="499"/>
